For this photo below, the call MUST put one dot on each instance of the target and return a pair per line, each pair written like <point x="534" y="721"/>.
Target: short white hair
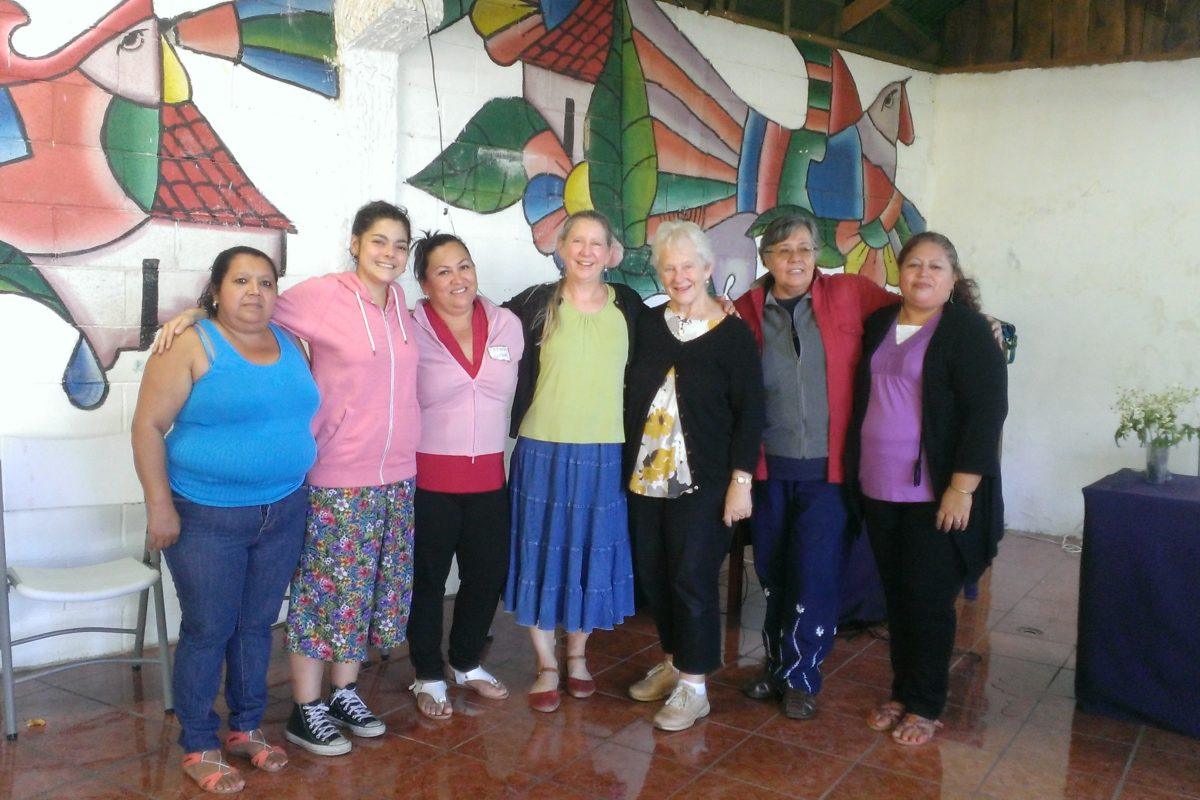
<point x="673" y="233"/>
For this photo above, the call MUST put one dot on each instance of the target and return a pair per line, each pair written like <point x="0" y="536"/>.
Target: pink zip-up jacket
<point x="365" y="365"/>
<point x="461" y="416"/>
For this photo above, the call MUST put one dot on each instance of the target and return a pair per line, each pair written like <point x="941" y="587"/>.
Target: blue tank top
<point x="244" y="436"/>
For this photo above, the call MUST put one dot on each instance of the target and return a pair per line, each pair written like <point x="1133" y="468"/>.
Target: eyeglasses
<point x="790" y="253"/>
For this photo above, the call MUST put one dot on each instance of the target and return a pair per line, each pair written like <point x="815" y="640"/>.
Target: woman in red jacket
<point x="809" y="331"/>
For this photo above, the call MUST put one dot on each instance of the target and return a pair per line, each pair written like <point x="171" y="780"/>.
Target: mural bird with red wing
<point x="626" y="116"/>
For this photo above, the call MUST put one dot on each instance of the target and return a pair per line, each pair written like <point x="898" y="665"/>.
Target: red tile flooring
<point x="1011" y="731"/>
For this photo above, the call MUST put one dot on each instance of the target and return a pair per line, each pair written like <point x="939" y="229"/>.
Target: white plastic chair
<point x="40" y="473"/>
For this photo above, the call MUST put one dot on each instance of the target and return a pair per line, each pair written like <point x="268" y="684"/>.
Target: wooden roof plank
<point x="1154" y="29"/>
<point x="1070" y="28"/>
<point x="996" y="31"/>
<point x="1135" y="18"/>
<point x="960" y="36"/>
<point x="1034" y="30"/>
<point x="1106" y="28"/>
<point x="859" y="11"/>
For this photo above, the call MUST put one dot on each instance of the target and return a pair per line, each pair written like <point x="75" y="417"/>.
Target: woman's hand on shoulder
<point x="175" y="326"/>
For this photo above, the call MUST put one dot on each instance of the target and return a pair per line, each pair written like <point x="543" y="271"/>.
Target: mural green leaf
<point x="483" y="169"/>
<point x="623" y="162"/>
<point x="453" y="11"/>
<point x="20" y="277"/>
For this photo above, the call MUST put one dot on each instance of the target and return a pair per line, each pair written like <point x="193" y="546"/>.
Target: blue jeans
<point x="230" y="567"/>
<point x="798" y="533"/>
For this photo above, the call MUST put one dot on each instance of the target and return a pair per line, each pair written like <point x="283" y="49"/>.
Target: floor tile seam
<point x="1133" y="751"/>
<point x="1003" y="751"/>
<point x="855" y="764"/>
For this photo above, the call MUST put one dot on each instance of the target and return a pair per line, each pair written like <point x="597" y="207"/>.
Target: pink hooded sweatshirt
<point x="365" y="365"/>
<point x="465" y="416"/>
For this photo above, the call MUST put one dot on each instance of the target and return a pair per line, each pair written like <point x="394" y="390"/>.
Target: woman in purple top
<point x="930" y="400"/>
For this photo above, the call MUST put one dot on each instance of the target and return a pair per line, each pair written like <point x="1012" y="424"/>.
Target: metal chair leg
<point x="139" y="640"/>
<point x="10" y="709"/>
<point x="164" y="650"/>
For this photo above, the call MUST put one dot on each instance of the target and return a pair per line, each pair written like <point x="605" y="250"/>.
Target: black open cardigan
<point x="718" y="383"/>
<point x="963" y="405"/>
<point x="528" y="305"/>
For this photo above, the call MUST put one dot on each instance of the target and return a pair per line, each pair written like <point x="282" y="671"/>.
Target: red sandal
<point x="580" y="688"/>
<point x="547" y="701"/>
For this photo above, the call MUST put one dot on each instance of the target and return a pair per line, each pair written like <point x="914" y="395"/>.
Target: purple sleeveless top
<point x="891" y="432"/>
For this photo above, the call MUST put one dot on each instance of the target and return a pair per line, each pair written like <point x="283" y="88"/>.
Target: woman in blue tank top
<point x="222" y="442"/>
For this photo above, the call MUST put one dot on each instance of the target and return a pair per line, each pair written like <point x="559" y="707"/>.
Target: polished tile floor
<point x="1011" y="731"/>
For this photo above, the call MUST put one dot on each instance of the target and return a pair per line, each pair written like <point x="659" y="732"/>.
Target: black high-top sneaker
<point x="347" y="710"/>
<point x="310" y="727"/>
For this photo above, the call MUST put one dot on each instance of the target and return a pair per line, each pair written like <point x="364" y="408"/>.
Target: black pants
<point x="922" y="573"/>
<point x="679" y="546"/>
<point x="473" y="527"/>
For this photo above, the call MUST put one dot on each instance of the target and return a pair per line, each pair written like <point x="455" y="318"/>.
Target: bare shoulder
<point x="186" y="354"/>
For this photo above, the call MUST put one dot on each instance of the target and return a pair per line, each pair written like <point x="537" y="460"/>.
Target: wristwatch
<point x="741" y="479"/>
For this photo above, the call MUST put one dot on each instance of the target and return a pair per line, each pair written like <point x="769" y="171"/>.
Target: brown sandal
<point x="547" y="701"/>
<point x="886" y="716"/>
<point x="208" y="773"/>
<point x="580" y="688"/>
<point x="925" y="729"/>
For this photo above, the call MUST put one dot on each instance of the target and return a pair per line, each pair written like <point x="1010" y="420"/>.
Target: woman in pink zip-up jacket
<point x="353" y="586"/>
<point x="466" y="378"/>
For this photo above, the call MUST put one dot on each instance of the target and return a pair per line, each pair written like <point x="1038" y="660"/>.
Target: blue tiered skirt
<point x="570" y="562"/>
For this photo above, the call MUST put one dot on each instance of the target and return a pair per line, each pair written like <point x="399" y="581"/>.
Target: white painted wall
<point x="1072" y="196"/>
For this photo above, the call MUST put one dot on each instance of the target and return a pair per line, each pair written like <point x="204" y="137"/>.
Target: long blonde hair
<point x="548" y="316"/>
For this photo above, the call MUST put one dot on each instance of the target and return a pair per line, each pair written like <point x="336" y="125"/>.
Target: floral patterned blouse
<point x="662" y="466"/>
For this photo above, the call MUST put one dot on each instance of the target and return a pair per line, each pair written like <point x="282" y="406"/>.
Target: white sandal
<point x="436" y="691"/>
<point x="464" y="680"/>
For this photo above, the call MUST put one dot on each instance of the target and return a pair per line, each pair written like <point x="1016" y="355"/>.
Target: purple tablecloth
<point x="1139" y="601"/>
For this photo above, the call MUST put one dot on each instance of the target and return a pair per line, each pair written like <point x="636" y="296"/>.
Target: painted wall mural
<point x="621" y="113"/>
<point x="100" y="138"/>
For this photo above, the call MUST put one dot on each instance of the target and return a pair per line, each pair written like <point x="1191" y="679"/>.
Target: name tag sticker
<point x="499" y="352"/>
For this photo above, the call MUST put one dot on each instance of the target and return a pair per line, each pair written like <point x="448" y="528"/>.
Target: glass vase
<point x="1157" y="470"/>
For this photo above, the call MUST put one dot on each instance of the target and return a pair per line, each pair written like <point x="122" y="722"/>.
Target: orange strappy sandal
<point x="254" y="746"/>
<point x="208" y="781"/>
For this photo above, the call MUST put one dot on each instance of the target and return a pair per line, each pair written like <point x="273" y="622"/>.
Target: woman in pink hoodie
<point x="465" y="383"/>
<point x="353" y="587"/>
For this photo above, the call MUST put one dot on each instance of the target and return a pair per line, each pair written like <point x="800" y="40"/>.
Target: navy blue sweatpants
<point x="798" y="535"/>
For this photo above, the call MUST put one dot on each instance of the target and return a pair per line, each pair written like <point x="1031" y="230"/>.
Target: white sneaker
<point x="682" y="709"/>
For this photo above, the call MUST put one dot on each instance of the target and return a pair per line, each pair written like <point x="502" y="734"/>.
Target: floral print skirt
<point x="354" y="583"/>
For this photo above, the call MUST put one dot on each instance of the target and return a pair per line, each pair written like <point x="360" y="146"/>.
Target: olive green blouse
<point x="579" y="394"/>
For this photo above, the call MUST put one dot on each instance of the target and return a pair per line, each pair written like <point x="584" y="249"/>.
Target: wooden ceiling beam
<point x="930" y="47"/>
<point x="859" y="11"/>
<point x="828" y="41"/>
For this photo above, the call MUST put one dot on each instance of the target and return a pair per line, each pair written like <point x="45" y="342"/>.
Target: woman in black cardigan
<point x="930" y="400"/>
<point x="694" y="420"/>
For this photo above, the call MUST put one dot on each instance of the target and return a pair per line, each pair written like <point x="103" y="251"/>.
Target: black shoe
<point x="760" y="687"/>
<point x="347" y="710"/>
<point x="798" y="704"/>
<point x="309" y="727"/>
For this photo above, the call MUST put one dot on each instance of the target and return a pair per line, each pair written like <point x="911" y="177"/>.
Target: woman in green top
<point x="571" y="565"/>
